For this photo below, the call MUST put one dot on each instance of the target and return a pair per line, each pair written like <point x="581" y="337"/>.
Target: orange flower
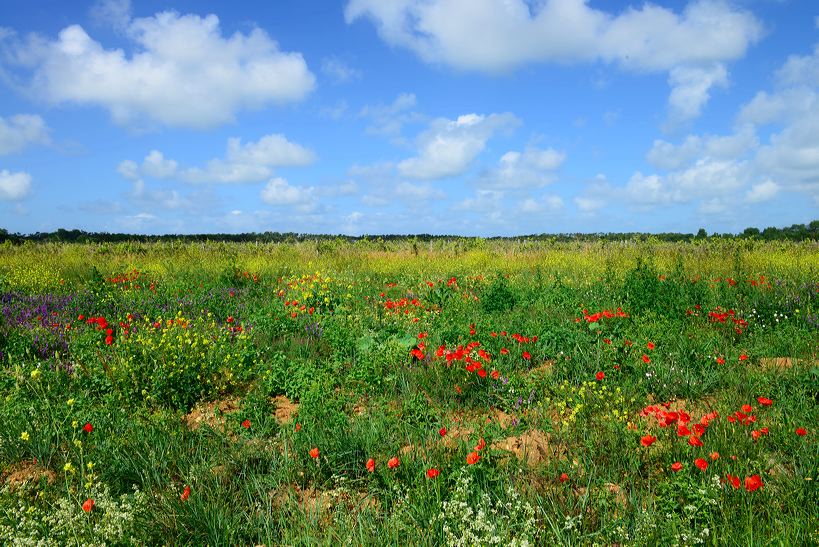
<point x="314" y="452"/>
<point x="371" y="465"/>
<point x="393" y="463"/>
<point x="432" y="473"/>
<point x="298" y="428"/>
<point x="495" y="374"/>
<point x="648" y="440"/>
<point x="88" y="505"/>
<point x="714" y="456"/>
<point x="472" y="458"/>
<point x="186" y="492"/>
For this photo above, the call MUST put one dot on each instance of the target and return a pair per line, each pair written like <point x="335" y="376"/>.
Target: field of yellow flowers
<point x="453" y="392"/>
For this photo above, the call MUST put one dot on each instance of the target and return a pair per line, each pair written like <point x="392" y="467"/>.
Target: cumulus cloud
<point x="279" y="192"/>
<point x="691" y="89"/>
<point x="531" y="168"/>
<point x="182" y="70"/>
<point x="250" y="162"/>
<point x="500" y="35"/>
<point x="666" y="155"/>
<point x="21" y="130"/>
<point x="705" y="179"/>
<point x="764" y="191"/>
<point x="14" y="186"/>
<point x="448" y="147"/>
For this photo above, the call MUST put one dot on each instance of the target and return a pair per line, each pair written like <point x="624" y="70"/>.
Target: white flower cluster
<point x="478" y="520"/>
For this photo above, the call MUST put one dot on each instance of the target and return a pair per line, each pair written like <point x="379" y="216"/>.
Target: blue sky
<point x="473" y="117"/>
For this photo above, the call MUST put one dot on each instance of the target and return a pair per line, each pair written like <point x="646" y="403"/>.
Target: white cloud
<point x="388" y="119"/>
<point x="500" y="35"/>
<point x="713" y="206"/>
<point x="764" y="191"/>
<point x="448" y="147"/>
<point x="666" y="155"/>
<point x="14" y="186"/>
<point x="21" y="130"/>
<point x="690" y="89"/>
<point x="531" y="168"/>
<point x="251" y="162"/>
<point x="550" y="203"/>
<point x="155" y="165"/>
<point x="705" y="179"/>
<point x="339" y="71"/>
<point x="279" y="192"/>
<point x="589" y="204"/>
<point x="182" y="71"/>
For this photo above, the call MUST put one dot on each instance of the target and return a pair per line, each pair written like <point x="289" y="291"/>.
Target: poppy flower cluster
<point x="718" y="315"/>
<point x="666" y="418"/>
<point x="752" y="483"/>
<point x="603" y="314"/>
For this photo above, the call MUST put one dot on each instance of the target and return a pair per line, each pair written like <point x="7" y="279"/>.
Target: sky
<point x="462" y="117"/>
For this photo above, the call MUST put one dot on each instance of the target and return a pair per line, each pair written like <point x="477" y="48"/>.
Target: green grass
<point x="227" y="364"/>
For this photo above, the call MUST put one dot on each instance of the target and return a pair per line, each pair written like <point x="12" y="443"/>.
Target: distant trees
<point x="796" y="232"/>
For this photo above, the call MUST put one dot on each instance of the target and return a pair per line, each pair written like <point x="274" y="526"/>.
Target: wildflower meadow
<point x="445" y="392"/>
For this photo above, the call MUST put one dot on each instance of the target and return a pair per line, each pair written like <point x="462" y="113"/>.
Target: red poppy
<point x="186" y="492"/>
<point x="801" y="431"/>
<point x="714" y="456"/>
<point x="764" y="401"/>
<point x="495" y="374"/>
<point x="648" y="440"/>
<point x="646" y="359"/>
<point x="753" y="483"/>
<point x="733" y="481"/>
<point x="650" y="345"/>
<point x="371" y="465"/>
<point x="393" y="462"/>
<point x="694" y="441"/>
<point x="607" y="341"/>
<point x="481" y="445"/>
<point x="314" y="452"/>
<point x="298" y="428"/>
<point x="88" y="428"/>
<point x="701" y="463"/>
<point x="743" y="357"/>
<point x="755" y="434"/>
<point x="109" y="340"/>
<point x="683" y="431"/>
<point x="527" y="355"/>
<point x="246" y="424"/>
<point x="720" y="361"/>
<point x="472" y="458"/>
<point x="230" y="319"/>
<point x="676" y="466"/>
<point x="432" y="473"/>
<point x="564" y="477"/>
<point x="88" y="505"/>
<point x="747" y="408"/>
<point x="482" y="373"/>
<point x="600" y="375"/>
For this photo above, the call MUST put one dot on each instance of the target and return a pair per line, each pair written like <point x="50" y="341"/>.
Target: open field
<point x="464" y="392"/>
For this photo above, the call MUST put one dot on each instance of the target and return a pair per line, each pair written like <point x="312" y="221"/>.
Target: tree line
<point x="795" y="232"/>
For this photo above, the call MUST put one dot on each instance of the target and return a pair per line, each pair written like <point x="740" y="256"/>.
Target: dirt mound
<point x="285" y="409"/>
<point x="212" y="413"/>
<point x="533" y="446"/>
<point x="26" y="471"/>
